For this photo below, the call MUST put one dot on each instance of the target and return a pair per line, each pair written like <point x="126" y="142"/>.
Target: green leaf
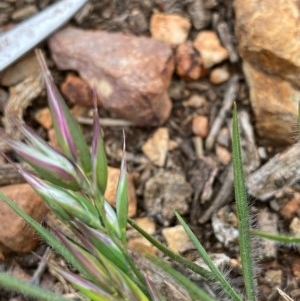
<point x="243" y="214"/>
<point x="64" y="201"/>
<point x="194" y="291"/>
<point x="13" y="284"/>
<point x="125" y="284"/>
<point x="285" y="239"/>
<point x="105" y="245"/>
<point x="92" y="266"/>
<point x="87" y="288"/>
<point x="214" y="269"/>
<point x="122" y="198"/>
<point x="175" y="257"/>
<point x="99" y="160"/>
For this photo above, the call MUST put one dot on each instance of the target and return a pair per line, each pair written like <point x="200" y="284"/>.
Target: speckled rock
<point x="131" y="74"/>
<point x="166" y="192"/>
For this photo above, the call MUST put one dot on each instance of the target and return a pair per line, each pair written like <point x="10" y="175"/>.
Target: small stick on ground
<point x="229" y="98"/>
<point x="106" y="122"/>
<point x="41" y="268"/>
<point x="281" y="171"/>
<point x="199" y="15"/>
<point x="224" y="195"/>
<point x="9" y="175"/>
<point x="226" y="39"/>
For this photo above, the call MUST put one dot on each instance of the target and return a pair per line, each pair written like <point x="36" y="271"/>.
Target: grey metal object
<point x="26" y="35"/>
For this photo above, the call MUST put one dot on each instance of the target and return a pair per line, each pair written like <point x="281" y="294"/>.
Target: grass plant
<point x="72" y="182"/>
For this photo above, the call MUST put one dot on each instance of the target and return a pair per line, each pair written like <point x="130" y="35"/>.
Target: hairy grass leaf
<point x="175" y="257"/>
<point x="285" y="239"/>
<point x="27" y="289"/>
<point x="214" y="269"/>
<point x="194" y="291"/>
<point x="243" y="214"/>
<point x="122" y="197"/>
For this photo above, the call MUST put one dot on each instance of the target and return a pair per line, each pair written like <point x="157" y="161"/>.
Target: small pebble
<point x="274" y="277"/>
<point x="164" y="193"/>
<point x="210" y="48"/>
<point x="172" y="29"/>
<point x="291" y="208"/>
<point x="195" y="101"/>
<point x="200" y="126"/>
<point x="267" y="222"/>
<point x="146" y="224"/>
<point x="295" y="226"/>
<point x="188" y="62"/>
<point x="223" y="154"/>
<point x="24" y="12"/>
<point x="43" y="117"/>
<point x="141" y="245"/>
<point x="22" y="69"/>
<point x="177" y="239"/>
<point x="224" y="137"/>
<point x="156" y="147"/>
<point x="219" y="75"/>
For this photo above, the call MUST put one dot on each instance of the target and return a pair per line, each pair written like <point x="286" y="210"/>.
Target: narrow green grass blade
<point x="103" y="243"/>
<point x="217" y="273"/>
<point x="45" y="234"/>
<point x="101" y="166"/>
<point x="243" y="214"/>
<point x="13" y="284"/>
<point x="175" y="257"/>
<point x="87" y="289"/>
<point x="99" y="159"/>
<point x="285" y="239"/>
<point x="194" y="291"/>
<point x="122" y="198"/>
<point x="126" y="286"/>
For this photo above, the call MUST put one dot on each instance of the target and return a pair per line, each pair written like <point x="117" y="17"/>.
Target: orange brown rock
<point x="268" y="36"/>
<point x="43" y="117"/>
<point x="156" y="147"/>
<point x="77" y="90"/>
<point x="275" y="105"/>
<point x="200" y="126"/>
<point x="172" y="29"/>
<point x="16" y="235"/>
<point x="219" y="75"/>
<point x="210" y="48"/>
<point x="188" y="62"/>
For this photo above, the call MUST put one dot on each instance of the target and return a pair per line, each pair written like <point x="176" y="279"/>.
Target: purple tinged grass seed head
<point x="56" y="106"/>
<point x="45" y="160"/>
<point x="68" y="132"/>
